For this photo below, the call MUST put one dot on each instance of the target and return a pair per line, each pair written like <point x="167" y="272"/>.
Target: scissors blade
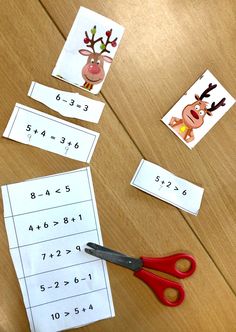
<point x="131" y="263"/>
<point x="102" y="248"/>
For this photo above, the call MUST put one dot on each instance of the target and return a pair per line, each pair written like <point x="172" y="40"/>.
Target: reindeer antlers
<point x="214" y="107"/>
<point x="205" y="93"/>
<point x="91" y="40"/>
<point x="103" y="45"/>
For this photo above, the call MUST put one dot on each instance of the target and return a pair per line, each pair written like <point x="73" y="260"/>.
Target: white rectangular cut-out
<point x="68" y="104"/>
<point x="88" y="51"/>
<point x="29" y="126"/>
<point x="199" y="109"/>
<point x="166" y="186"/>
<point x="54" y="217"/>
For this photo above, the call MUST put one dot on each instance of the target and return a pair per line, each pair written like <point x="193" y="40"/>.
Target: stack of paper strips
<point x="49" y="220"/>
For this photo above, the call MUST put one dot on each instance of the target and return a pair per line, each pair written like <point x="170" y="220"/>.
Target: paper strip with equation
<point x="68" y="104"/>
<point x="166" y="186"/>
<point x="49" y="220"/>
<point x="29" y="126"/>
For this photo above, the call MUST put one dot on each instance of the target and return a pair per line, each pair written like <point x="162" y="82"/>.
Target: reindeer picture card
<point x="88" y="51"/>
<point x="202" y="106"/>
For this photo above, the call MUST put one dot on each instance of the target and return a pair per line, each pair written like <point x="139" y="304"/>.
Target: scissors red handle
<point x="159" y="286"/>
<point x="168" y="264"/>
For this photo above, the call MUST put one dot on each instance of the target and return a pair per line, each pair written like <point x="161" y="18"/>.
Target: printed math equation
<point x="68" y="104"/>
<point x="158" y="182"/>
<point x="47" y="132"/>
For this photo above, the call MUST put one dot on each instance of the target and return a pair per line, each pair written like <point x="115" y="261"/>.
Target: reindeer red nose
<point x="94" y="69"/>
<point x="194" y="114"/>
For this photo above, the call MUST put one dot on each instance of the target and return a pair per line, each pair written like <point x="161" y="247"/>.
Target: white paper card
<point x="49" y="221"/>
<point x="168" y="187"/>
<point x="202" y="106"/>
<point x="29" y="126"/>
<point x="68" y="104"/>
<point x="88" y="51"/>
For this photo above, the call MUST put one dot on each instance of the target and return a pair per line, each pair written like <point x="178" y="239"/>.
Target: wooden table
<point x="167" y="44"/>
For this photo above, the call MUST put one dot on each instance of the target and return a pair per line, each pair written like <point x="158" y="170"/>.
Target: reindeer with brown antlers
<point x="193" y="115"/>
<point x="93" y="72"/>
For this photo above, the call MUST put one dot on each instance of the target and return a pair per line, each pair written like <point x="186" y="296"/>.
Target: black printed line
<point x="22" y="266"/>
<point x="66" y="298"/>
<point x="94" y="202"/>
<point x="54" y="175"/>
<point x="52" y="239"/>
<point x="92" y="196"/>
<point x="54" y="207"/>
<point x="31" y="92"/>
<point x="51" y="176"/>
<point x="138" y="170"/>
<point x="13" y="122"/>
<point x="108" y="297"/>
<point x="92" y="148"/>
<point x="61" y="268"/>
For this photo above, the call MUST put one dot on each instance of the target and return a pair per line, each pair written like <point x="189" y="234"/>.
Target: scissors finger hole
<point x="183" y="265"/>
<point x="171" y="294"/>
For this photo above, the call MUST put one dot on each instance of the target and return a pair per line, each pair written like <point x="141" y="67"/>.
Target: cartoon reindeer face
<point x="193" y="115"/>
<point x="93" y="71"/>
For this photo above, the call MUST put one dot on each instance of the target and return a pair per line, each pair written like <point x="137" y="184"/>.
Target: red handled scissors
<point x="164" y="264"/>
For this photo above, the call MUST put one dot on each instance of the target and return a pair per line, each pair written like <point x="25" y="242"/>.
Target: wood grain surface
<point x="166" y="46"/>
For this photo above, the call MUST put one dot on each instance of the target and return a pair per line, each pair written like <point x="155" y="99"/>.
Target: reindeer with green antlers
<point x="93" y="71"/>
